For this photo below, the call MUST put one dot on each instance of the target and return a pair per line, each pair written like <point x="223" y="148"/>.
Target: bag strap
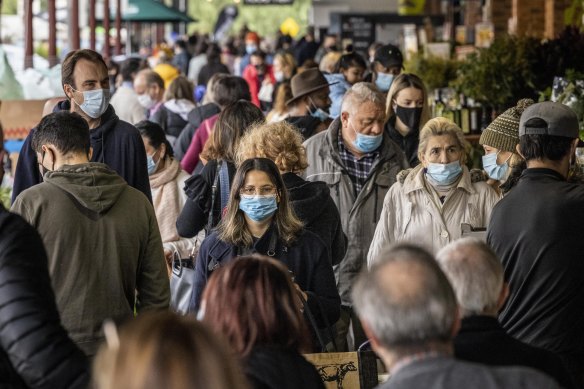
<point x="312" y="321"/>
<point x="213" y="195"/>
<point x="329" y="328"/>
<point x="224" y="184"/>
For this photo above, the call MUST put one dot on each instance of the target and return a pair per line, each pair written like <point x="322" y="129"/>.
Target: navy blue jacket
<point x="307" y="258"/>
<point x="116" y="143"/>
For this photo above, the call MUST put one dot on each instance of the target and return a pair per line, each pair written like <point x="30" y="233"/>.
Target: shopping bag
<point x="352" y="370"/>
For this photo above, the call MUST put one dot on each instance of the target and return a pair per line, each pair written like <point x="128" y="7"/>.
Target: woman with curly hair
<point x="311" y="201"/>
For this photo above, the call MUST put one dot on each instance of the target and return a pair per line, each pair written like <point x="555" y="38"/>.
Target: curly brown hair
<point x="281" y="142"/>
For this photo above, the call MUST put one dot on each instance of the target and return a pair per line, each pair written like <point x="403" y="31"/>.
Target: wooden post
<point x="106" y="27"/>
<point x="74" y="24"/>
<point x="53" y="60"/>
<point x="119" y="27"/>
<point x="28" y="37"/>
<point x="92" y="24"/>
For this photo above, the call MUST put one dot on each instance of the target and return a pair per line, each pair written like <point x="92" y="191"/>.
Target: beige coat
<point x="413" y="213"/>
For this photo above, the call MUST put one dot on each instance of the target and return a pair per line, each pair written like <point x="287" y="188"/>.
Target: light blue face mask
<point x="367" y="143"/>
<point x="258" y="207"/>
<point x="151" y="165"/>
<point x="318" y="113"/>
<point x="444" y="174"/>
<point x="95" y="102"/>
<point x="250" y="49"/>
<point x="383" y="81"/>
<point x="495" y="171"/>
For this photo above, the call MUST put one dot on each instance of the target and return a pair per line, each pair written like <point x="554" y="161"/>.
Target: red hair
<point x="253" y="302"/>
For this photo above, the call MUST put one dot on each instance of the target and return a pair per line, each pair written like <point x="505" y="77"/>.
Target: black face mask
<point x="43" y="169"/>
<point x="409" y="116"/>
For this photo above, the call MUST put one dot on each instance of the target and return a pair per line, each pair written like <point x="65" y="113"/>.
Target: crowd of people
<point x="323" y="207"/>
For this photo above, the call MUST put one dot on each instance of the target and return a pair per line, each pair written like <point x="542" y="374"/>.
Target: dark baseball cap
<point x="552" y="119"/>
<point x="389" y="56"/>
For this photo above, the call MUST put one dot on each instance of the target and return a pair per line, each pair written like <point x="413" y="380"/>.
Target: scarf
<point x="166" y="200"/>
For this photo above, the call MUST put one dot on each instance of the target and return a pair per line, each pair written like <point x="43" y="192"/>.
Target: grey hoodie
<point x="104" y="247"/>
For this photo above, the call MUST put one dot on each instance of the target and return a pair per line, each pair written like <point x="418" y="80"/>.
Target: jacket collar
<point x="542" y="172"/>
<point x="416" y="181"/>
<point x="477" y="323"/>
<point x="387" y="150"/>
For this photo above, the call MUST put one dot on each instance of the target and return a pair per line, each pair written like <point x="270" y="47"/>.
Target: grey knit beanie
<point x="503" y="132"/>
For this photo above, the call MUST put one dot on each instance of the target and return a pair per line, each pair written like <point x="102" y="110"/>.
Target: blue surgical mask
<point x="366" y="143"/>
<point x="444" y="174"/>
<point x="318" y="113"/>
<point x="383" y="81"/>
<point x="95" y="102"/>
<point x="495" y="171"/>
<point x="250" y="49"/>
<point x="152" y="166"/>
<point x="258" y="207"/>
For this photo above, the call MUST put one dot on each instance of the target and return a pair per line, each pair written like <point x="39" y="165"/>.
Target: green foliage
<point x="265" y="19"/>
<point x="5" y="194"/>
<point x="436" y="72"/>
<point x="499" y="75"/>
<point x="9" y="7"/>
<point x="573" y="96"/>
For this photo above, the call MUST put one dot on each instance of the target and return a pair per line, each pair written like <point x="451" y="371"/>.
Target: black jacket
<point x="481" y="339"/>
<point x="313" y="205"/>
<point x="196" y="117"/>
<point x="307" y="258"/>
<point x="307" y="125"/>
<point x="408" y="143"/>
<point x="536" y="231"/>
<point x="116" y="143"/>
<point x="195" y="213"/>
<point x="278" y="368"/>
<point x="34" y="348"/>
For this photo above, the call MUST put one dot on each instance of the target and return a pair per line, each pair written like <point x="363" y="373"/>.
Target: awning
<point x="151" y="11"/>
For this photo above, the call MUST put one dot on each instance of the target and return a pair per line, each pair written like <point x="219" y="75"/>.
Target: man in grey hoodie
<point x="104" y="249"/>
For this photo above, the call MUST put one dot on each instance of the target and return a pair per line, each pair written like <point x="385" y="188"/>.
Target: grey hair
<point x="475" y="274"/>
<point x="442" y="126"/>
<point x="360" y="93"/>
<point x="406" y="300"/>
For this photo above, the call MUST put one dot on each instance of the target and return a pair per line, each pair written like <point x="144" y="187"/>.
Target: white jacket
<point x="411" y="213"/>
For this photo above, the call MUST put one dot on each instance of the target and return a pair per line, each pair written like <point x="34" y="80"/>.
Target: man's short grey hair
<point x="362" y="92"/>
<point x="475" y="274"/>
<point x="406" y="300"/>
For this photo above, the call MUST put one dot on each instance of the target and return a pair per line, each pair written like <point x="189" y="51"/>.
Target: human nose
<point x="444" y="158"/>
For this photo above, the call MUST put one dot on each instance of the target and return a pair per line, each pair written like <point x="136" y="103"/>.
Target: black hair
<point x="259" y="54"/>
<point x="129" y="68"/>
<point x="543" y="146"/>
<point x="181" y="43"/>
<point x="230" y="89"/>
<point x="65" y="130"/>
<point x="349" y="60"/>
<point x="155" y="135"/>
<point x="213" y="53"/>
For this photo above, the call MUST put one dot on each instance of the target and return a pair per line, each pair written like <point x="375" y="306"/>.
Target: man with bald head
<point x="409" y="312"/>
<point x="359" y="162"/>
<point x="476" y="275"/>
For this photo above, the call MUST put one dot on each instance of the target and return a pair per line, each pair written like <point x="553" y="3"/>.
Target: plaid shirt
<point x="358" y="169"/>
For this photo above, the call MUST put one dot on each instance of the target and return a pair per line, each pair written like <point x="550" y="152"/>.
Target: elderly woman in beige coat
<point x="436" y="197"/>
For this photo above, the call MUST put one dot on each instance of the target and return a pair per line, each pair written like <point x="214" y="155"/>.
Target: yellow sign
<point x="290" y="27"/>
<point x="411" y="7"/>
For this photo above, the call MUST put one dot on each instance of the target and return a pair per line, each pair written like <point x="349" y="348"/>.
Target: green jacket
<point x="103" y="245"/>
<point x="359" y="213"/>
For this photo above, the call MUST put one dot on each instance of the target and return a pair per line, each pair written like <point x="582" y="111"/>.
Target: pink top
<point x="191" y="158"/>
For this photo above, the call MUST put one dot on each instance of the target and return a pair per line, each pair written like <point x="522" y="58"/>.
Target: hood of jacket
<point x="93" y="186"/>
<point x="181" y="107"/>
<point x="109" y="119"/>
<point x="307" y="197"/>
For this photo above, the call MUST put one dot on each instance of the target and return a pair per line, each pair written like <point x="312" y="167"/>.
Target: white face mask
<point x="95" y="102"/>
<point x="279" y="76"/>
<point x="146" y="101"/>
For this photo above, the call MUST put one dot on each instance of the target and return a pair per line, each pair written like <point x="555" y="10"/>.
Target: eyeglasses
<point x="262" y="191"/>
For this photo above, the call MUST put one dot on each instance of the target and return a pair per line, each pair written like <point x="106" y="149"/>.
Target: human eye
<point x="248" y="190"/>
<point x="264" y="190"/>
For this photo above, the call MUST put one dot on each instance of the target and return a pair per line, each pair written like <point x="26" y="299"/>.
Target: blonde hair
<point x="164" y="350"/>
<point x="281" y="142"/>
<point x="329" y="62"/>
<point x="180" y="88"/>
<point x="442" y="126"/>
<point x="401" y="82"/>
<point x="288" y="62"/>
<point x="283" y="94"/>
